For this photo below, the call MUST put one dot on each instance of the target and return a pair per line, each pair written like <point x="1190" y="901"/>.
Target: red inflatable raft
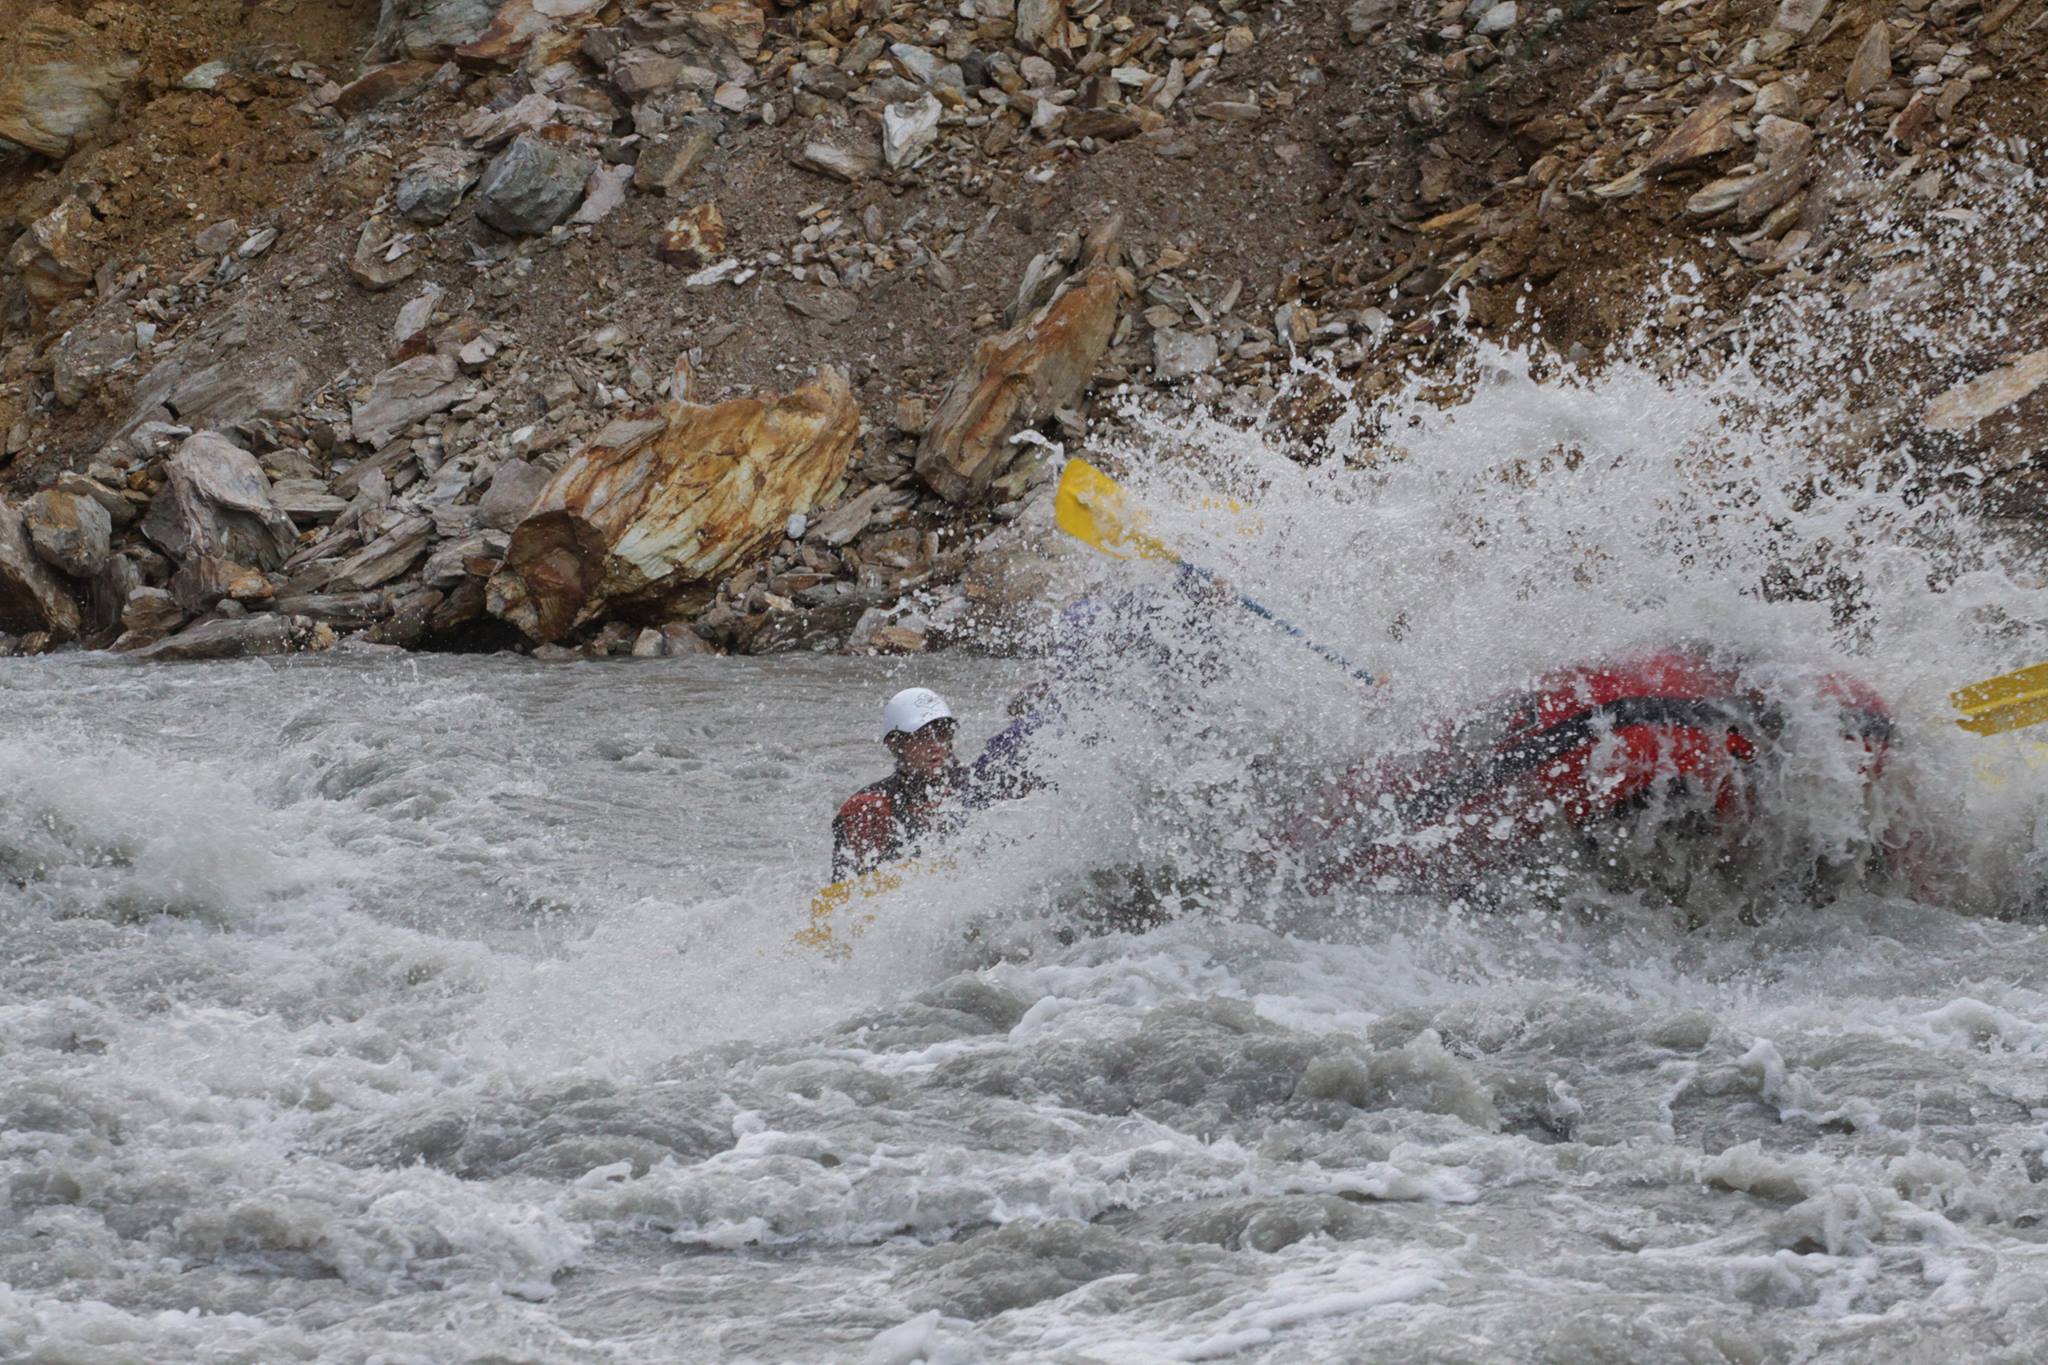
<point x="1672" y="738"/>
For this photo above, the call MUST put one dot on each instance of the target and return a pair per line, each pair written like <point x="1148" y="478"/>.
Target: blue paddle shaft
<point x="1260" y="609"/>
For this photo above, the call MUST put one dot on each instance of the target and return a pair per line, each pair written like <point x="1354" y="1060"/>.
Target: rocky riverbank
<point x="604" y="326"/>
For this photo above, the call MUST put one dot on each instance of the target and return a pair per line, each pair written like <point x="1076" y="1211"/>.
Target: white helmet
<point x="912" y="709"/>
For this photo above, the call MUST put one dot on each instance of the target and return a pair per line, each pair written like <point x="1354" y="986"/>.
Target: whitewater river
<point x="420" y="1010"/>
<point x="434" y="1010"/>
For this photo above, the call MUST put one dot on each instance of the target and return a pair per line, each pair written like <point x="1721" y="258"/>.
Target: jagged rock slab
<point x="671" y="499"/>
<point x="403" y="394"/>
<point x="32" y="597"/>
<point x="1014" y="380"/>
<point x="216" y="501"/>
<point x="58" y="83"/>
<point x="385" y="558"/>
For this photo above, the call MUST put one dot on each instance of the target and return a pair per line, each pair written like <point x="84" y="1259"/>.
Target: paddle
<point x="2010" y="701"/>
<point x="1089" y="506"/>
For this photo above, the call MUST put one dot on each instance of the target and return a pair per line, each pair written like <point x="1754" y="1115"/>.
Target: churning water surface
<point x="430" y="1009"/>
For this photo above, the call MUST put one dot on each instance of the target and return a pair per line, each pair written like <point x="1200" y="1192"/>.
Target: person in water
<point x="928" y="795"/>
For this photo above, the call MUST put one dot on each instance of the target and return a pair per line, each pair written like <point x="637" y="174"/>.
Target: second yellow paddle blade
<point x="2007" y="702"/>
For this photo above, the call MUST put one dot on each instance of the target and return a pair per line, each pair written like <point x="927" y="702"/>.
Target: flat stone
<point x="603" y="195"/>
<point x="383" y="256"/>
<point x="694" y="239"/>
<point x="307" y="501"/>
<point x="827" y="158"/>
<point x="822" y="303"/>
<point x="643" y="71"/>
<point x="1967" y="404"/>
<point x="515" y="485"/>
<point x="394" y="80"/>
<point x="53" y="258"/>
<point x="385" y="558"/>
<point x="533" y="185"/>
<point x="151" y="611"/>
<point x="403" y="394"/>
<point x="100" y="346"/>
<point x="1497" y="19"/>
<point x="1871" y="67"/>
<point x="666" y="165"/>
<point x="1799" y="16"/>
<point x="239" y="638"/>
<point x="848" y="519"/>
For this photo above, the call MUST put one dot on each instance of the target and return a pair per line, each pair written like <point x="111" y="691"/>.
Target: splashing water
<point x="449" y="1009"/>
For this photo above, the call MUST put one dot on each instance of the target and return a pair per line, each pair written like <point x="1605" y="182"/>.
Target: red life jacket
<point x="885" y="820"/>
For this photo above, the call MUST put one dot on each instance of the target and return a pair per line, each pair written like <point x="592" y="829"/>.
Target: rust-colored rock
<point x="535" y="31"/>
<point x="662" y="503"/>
<point x="52" y="257"/>
<point x="1014" y="380"/>
<point x="58" y="83"/>
<point x="692" y="239"/>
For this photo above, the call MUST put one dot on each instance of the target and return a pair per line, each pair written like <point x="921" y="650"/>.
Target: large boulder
<point x="31" y="596"/>
<point x="59" y="83"/>
<point x="1015" y="380"/>
<point x="533" y="185"/>
<point x="216" y="502"/>
<point x="70" y="532"/>
<point x="660" y="505"/>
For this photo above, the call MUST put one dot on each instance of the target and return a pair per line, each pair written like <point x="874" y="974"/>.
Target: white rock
<point x="1498" y="19"/>
<point x="206" y="77"/>
<point x="796" y="527"/>
<point x="909" y="130"/>
<point x="714" y="274"/>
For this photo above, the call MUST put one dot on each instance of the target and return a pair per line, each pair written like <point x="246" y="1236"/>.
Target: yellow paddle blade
<point x="847" y="904"/>
<point x="2007" y="702"/>
<point x="1089" y="506"/>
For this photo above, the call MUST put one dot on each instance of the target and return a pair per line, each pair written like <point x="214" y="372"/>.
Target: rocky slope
<point x="654" y="325"/>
